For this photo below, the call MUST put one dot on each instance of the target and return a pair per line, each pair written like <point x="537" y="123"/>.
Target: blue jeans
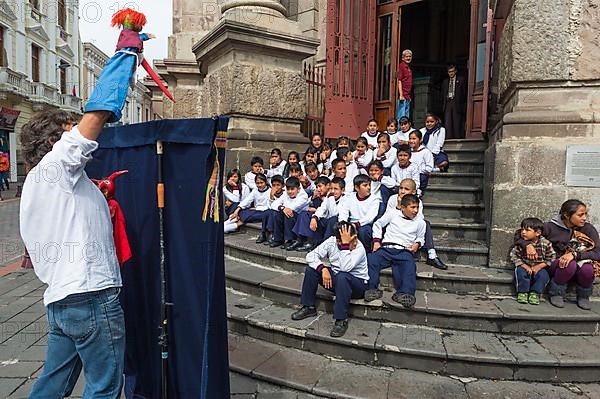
<point x="531" y="283"/>
<point x="86" y="331"/>
<point x="402" y="109"/>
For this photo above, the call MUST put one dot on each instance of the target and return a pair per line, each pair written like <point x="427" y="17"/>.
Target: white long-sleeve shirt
<point x="400" y="173"/>
<point x="353" y="210"/>
<point x="341" y="258"/>
<point x="234" y="196"/>
<point x="249" y="180"/>
<point x="278" y="170"/>
<point x="399" y="229"/>
<point x="388" y="158"/>
<point x="297" y="204"/>
<point x="400" y="136"/>
<point x="423" y="158"/>
<point x="393" y="204"/>
<point x="383" y="180"/>
<point x="260" y="199"/>
<point x="363" y="161"/>
<point x="328" y="208"/>
<point x="436" y="140"/>
<point x="371" y="139"/>
<point x="65" y="222"/>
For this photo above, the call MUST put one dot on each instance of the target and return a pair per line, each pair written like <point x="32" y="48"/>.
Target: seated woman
<point x="577" y="246"/>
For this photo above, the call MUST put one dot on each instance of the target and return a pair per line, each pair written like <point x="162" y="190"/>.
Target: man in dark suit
<point x="454" y="95"/>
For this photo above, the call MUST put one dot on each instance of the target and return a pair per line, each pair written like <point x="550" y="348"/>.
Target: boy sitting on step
<point x="347" y="276"/>
<point x="404" y="235"/>
<point x="531" y="276"/>
<point x="287" y="207"/>
<point x="324" y="220"/>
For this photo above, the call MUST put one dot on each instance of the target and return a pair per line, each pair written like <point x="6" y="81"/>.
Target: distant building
<point x="39" y="66"/>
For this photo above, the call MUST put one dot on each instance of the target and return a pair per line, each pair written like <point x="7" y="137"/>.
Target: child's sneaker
<point x="534" y="298"/>
<point x="522" y="297"/>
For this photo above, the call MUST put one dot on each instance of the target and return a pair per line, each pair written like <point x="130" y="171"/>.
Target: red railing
<point x="314" y="120"/>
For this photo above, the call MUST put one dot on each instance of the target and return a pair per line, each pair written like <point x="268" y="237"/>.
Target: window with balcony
<point x="63" y="77"/>
<point x="62" y="15"/>
<point x="35" y="63"/>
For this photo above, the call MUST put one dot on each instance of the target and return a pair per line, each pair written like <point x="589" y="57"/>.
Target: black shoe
<point x="291" y="245"/>
<point x="262" y="237"/>
<point x="339" y="328"/>
<point x="275" y="244"/>
<point x="304" y="312"/>
<point x="406" y="300"/>
<point x="437" y="263"/>
<point x="371" y="295"/>
<point x="306" y="247"/>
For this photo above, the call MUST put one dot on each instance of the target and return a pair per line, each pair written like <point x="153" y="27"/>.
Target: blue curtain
<point x="198" y="362"/>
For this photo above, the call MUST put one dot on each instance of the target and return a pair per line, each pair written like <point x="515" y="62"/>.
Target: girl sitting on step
<point x="234" y="191"/>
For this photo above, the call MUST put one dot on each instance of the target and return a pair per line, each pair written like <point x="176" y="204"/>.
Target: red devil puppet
<point x="107" y="187"/>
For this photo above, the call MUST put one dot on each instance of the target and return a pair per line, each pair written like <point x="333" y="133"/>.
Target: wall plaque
<point x="583" y="166"/>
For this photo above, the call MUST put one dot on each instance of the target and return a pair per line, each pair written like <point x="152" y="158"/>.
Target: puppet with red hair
<point x="110" y="92"/>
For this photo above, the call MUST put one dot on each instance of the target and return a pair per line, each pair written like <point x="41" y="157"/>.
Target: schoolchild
<point x="346" y="276"/>
<point x="256" y="167"/>
<point x="422" y="157"/>
<point x="276" y="163"/>
<point x="404" y="132"/>
<point x="360" y="208"/>
<point x="404" y="235"/>
<point x="311" y="155"/>
<point x="251" y="208"/>
<point x="234" y="191"/>
<point x="371" y="134"/>
<point x="288" y="206"/>
<point x="293" y="158"/>
<point x="305" y="240"/>
<point x="323" y="221"/>
<point x="325" y="157"/>
<point x="381" y="186"/>
<point x="347" y="156"/>
<point x="317" y="142"/>
<point x="434" y="136"/>
<point x="408" y="186"/>
<point x="531" y="275"/>
<point x="392" y="130"/>
<point x="385" y="153"/>
<point x="309" y="179"/>
<point x="405" y="169"/>
<point x="363" y="155"/>
<point x="339" y="170"/>
<point x="268" y="225"/>
<point x="343" y="142"/>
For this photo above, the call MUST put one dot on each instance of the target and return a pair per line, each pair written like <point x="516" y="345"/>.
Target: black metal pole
<point x="163" y="339"/>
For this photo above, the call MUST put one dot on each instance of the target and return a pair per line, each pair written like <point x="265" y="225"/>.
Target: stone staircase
<point x="465" y="324"/>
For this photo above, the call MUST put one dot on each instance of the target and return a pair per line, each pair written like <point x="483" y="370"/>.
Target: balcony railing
<point x="14" y="82"/>
<point x="41" y="92"/>
<point x="72" y="102"/>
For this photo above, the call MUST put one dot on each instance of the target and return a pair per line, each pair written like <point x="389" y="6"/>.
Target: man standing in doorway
<point x="405" y="80"/>
<point x="4" y="170"/>
<point x="454" y="95"/>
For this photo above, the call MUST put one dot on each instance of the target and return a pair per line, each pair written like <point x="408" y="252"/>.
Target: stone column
<point x="252" y="62"/>
<point x="549" y="98"/>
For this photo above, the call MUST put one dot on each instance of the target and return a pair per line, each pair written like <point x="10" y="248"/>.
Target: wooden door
<point x="350" y="66"/>
<point x="388" y="58"/>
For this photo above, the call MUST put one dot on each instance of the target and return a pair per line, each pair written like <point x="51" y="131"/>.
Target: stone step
<point x="466" y="144"/>
<point x="454" y="193"/>
<point x="263" y="363"/>
<point x="453" y="210"/>
<point x="245" y="385"/>
<point x="456" y="178"/>
<point x="485" y="313"/>
<point x="464" y="154"/>
<point x="459" y="252"/>
<point x="444" y="351"/>
<point x="466" y="166"/>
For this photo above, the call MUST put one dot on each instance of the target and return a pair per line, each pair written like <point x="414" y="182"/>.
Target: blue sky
<point x="94" y="24"/>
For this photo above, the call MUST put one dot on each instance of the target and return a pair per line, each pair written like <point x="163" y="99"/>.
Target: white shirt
<point x="234" y="196"/>
<point x="278" y="170"/>
<point x="328" y="208"/>
<point x="401" y="136"/>
<point x="353" y="210"/>
<point x="65" y="222"/>
<point x="340" y="258"/>
<point x="363" y="161"/>
<point x="436" y="140"/>
<point x="297" y="204"/>
<point x="423" y="158"/>
<point x="371" y="140"/>
<point x="410" y="172"/>
<point x="393" y="204"/>
<point x="398" y="229"/>
<point x="388" y="158"/>
<point x="249" y="180"/>
<point x="260" y="199"/>
<point x="376" y="185"/>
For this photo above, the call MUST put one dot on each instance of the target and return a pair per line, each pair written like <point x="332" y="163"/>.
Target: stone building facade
<point x="534" y="70"/>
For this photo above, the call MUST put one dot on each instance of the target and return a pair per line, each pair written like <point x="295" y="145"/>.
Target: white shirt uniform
<point x="260" y="199"/>
<point x="303" y="165"/>
<point x="297" y="204"/>
<point x="393" y="204"/>
<point x="363" y="161"/>
<point x="383" y="180"/>
<point x="353" y="210"/>
<point x="410" y="172"/>
<point x="371" y="139"/>
<point x="388" y="159"/>
<point x="65" y="222"/>
<point x="340" y="260"/>
<point x="249" y="180"/>
<point x="401" y="136"/>
<point x="328" y="208"/>
<point x="436" y="140"/>
<point x="423" y="158"/>
<point x="234" y="196"/>
<point x="398" y="229"/>
<point x="278" y="170"/>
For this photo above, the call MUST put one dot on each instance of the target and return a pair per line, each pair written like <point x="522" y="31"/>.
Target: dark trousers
<point x="283" y="227"/>
<point x="531" y="283"/>
<point x="583" y="276"/>
<point x="344" y="285"/>
<point x="268" y="223"/>
<point x="365" y="235"/>
<point x="423" y="182"/>
<point x="231" y="208"/>
<point x="453" y="121"/>
<point x="302" y="226"/>
<point x="428" y="237"/>
<point x="252" y="215"/>
<point x="404" y="268"/>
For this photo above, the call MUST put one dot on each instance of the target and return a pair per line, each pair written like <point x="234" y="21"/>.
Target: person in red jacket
<point x="4" y="168"/>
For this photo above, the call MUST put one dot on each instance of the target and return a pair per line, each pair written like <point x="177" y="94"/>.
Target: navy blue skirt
<point x="252" y="215"/>
<point x="440" y="158"/>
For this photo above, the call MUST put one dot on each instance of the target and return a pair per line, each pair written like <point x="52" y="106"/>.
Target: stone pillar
<point x="549" y="98"/>
<point x="252" y="62"/>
